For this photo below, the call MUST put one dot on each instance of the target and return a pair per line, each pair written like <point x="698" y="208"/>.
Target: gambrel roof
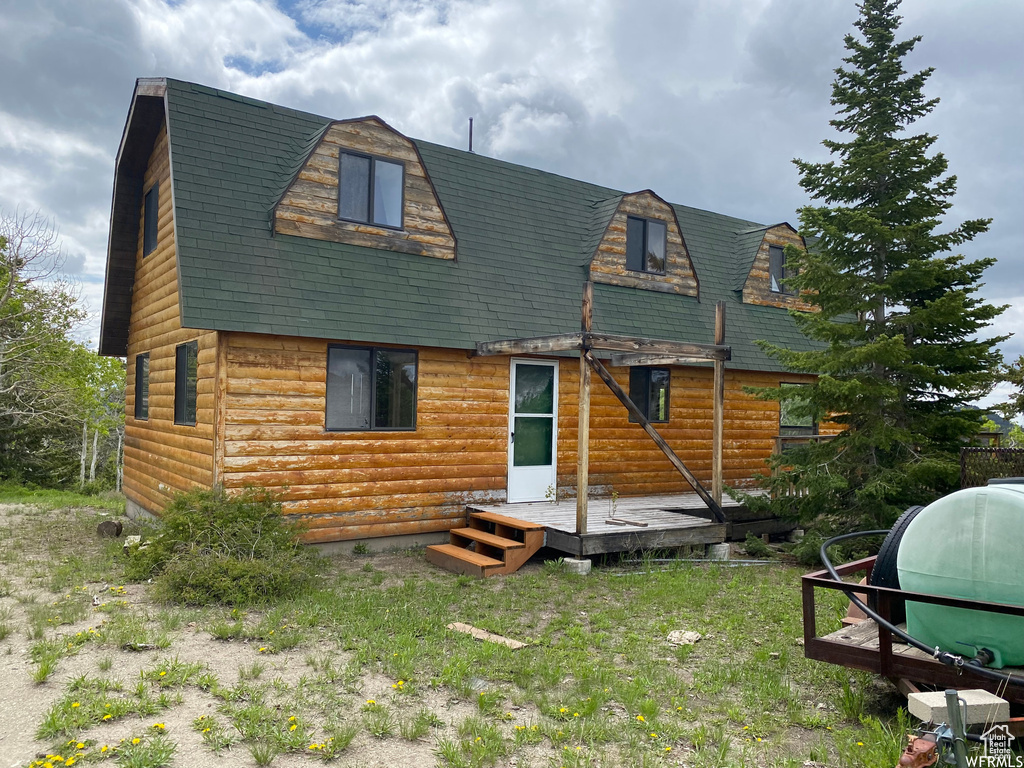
<point x="525" y="238"/>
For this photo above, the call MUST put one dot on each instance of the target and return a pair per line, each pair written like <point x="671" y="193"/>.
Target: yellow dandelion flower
<point x="80" y="745"/>
<point x="75" y="704"/>
<point x="654" y="735"/>
<point x="668" y="749"/>
<point x="292" y="727"/>
<point x="107" y="717"/>
<point x="159" y="726"/>
<point x="104" y="748"/>
<point x="563" y="710"/>
<point x="292" y="719"/>
<point x="641" y="719"/>
<point x="136" y="740"/>
<point x="163" y="672"/>
<point x="860" y="743"/>
<point x="370" y="701"/>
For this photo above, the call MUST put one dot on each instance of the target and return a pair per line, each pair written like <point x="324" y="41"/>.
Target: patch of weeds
<point x="219" y="549"/>
<point x="252" y="672"/>
<point x="172" y="673"/>
<point x="213" y="734"/>
<point x="146" y="751"/>
<point x="876" y="744"/>
<point x="6" y="622"/>
<point x="6" y="587"/>
<point x="851" y="701"/>
<point x="263" y="752"/>
<point x="360" y="549"/>
<point x="755" y="547"/>
<point x="526" y="734"/>
<point x="482" y="743"/>
<point x="489" y="702"/>
<point x="378" y="719"/>
<point x="105" y="664"/>
<point x="419" y="725"/>
<point x="554" y="566"/>
<point x="225" y="631"/>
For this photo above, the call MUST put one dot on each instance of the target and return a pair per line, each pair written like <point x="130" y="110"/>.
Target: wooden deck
<point x="672" y="520"/>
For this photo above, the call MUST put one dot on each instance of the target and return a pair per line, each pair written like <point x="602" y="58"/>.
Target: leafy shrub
<point x="232" y="550"/>
<point x="755" y="547"/>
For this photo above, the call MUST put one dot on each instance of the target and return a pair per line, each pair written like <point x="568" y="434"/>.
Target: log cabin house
<point x="316" y="306"/>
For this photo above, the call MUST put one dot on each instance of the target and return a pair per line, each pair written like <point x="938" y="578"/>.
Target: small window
<point x="645" y="245"/>
<point x="648" y="389"/>
<point x="778" y="271"/>
<point x="791" y="424"/>
<point x="186" y="365"/>
<point x="370" y="389"/>
<point x="151" y="214"/>
<point x="370" y="190"/>
<point x="142" y="386"/>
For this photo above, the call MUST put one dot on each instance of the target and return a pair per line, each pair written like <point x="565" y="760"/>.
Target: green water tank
<point x="969" y="544"/>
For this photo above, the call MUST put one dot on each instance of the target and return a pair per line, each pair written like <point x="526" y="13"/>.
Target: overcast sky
<point x="704" y="101"/>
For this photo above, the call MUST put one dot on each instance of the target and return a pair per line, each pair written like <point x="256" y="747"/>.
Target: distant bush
<point x="232" y="550"/>
<point x="755" y="547"/>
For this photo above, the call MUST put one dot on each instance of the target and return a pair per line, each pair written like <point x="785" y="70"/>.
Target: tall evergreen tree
<point x="898" y="319"/>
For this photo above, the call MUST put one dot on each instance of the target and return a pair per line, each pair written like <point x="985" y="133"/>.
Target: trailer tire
<point x="884" y="573"/>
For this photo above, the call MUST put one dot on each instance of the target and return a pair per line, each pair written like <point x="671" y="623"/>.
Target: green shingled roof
<point x="524" y="240"/>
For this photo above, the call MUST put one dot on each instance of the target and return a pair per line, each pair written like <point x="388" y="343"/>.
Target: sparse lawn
<point x="362" y="671"/>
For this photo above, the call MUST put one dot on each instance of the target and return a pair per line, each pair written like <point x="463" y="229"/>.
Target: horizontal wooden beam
<point x="638" y="344"/>
<point x="558" y="343"/>
<point x="627" y="361"/>
<point x="644" y="350"/>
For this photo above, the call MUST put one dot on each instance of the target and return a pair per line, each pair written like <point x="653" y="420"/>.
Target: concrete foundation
<point x="577" y="565"/>
<point x="383" y="543"/>
<point x="718" y="551"/>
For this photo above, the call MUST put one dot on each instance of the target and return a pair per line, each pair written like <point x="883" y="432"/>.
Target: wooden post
<point x="718" y="408"/>
<point x="620" y="393"/>
<point x="583" y="427"/>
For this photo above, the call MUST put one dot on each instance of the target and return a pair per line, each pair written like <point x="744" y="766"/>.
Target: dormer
<point x="364" y="183"/>
<point x="643" y="247"/>
<point x="764" y="279"/>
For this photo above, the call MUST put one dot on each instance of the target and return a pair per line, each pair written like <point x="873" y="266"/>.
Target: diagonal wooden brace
<point x="607" y="378"/>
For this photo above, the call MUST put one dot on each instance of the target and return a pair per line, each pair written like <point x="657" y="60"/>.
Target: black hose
<point x="950" y="659"/>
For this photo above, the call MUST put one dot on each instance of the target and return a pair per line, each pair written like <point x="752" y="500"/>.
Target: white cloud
<point x="705" y="101"/>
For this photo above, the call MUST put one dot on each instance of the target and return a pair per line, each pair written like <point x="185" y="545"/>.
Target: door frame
<point x="511" y="422"/>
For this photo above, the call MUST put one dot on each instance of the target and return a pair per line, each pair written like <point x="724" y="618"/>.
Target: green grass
<point x="48" y="499"/>
<point x="595" y="681"/>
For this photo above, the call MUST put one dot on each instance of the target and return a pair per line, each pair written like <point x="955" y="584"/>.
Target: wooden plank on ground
<point x="483" y="634"/>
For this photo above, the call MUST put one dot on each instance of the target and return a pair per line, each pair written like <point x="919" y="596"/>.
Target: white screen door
<point x="532" y="430"/>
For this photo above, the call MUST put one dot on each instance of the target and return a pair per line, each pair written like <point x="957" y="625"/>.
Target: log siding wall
<point x="350" y="485"/>
<point x="161" y="457"/>
<point x="309" y="208"/>
<point x="757" y="289"/>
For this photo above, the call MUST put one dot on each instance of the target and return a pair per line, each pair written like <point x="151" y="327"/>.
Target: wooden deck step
<point x="461" y="560"/>
<point x="473" y="534"/>
<point x="508" y="522"/>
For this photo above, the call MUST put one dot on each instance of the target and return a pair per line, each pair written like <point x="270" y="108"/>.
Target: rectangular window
<point x="649" y="390"/>
<point x="778" y="271"/>
<point x="142" y="386"/>
<point x="789" y="422"/>
<point x="370" y="190"/>
<point x="186" y="365"/>
<point x="151" y="214"/>
<point x="645" y="245"/>
<point x="370" y="388"/>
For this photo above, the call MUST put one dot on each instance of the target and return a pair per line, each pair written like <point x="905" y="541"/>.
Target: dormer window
<point x="370" y="190"/>
<point x="645" y="245"/>
<point x="777" y="271"/>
